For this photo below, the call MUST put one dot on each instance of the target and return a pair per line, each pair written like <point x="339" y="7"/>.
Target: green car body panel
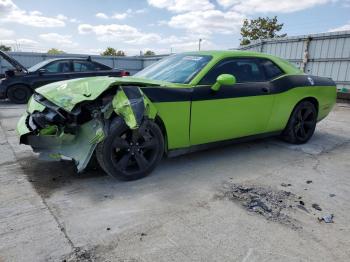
<point x="190" y="113"/>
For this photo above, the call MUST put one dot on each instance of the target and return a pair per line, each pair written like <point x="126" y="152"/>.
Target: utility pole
<point x="199" y="44"/>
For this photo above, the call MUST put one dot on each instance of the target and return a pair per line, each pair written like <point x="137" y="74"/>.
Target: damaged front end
<point x="57" y="133"/>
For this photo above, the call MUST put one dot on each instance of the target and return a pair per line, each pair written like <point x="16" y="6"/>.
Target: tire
<point x="128" y="154"/>
<point x="302" y="123"/>
<point x="19" y="94"/>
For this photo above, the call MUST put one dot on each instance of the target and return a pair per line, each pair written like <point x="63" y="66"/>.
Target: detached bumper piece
<point x="79" y="147"/>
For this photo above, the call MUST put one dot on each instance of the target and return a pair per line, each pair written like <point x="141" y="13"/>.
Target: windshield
<point x="38" y="66"/>
<point x="180" y="68"/>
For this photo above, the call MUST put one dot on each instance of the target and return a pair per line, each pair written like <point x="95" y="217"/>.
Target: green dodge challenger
<point x="183" y="103"/>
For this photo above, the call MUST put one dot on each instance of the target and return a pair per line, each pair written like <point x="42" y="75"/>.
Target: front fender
<point x="133" y="105"/>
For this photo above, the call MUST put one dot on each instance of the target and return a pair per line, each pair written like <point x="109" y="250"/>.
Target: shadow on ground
<point x="47" y="176"/>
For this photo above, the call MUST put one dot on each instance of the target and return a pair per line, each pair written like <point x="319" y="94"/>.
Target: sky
<point x="164" y="26"/>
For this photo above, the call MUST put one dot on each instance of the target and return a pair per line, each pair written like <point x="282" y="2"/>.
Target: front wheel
<point x="19" y="94"/>
<point x="302" y="123"/>
<point x="130" y="154"/>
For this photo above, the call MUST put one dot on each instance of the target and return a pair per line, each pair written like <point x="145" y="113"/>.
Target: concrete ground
<point x="49" y="213"/>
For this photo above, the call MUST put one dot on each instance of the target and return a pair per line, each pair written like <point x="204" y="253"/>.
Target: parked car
<point x="183" y="103"/>
<point x="19" y="83"/>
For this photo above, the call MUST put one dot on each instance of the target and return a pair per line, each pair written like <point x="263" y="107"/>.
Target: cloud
<point x="21" y="44"/>
<point x="269" y="6"/>
<point x="9" y="12"/>
<point x="65" y="18"/>
<point x="119" y="33"/>
<point x="4" y="33"/>
<point x="101" y="15"/>
<point x="204" y="18"/>
<point x="65" y="40"/>
<point x="208" y="22"/>
<point x="182" y="5"/>
<point x="345" y="27"/>
<point x="120" y="16"/>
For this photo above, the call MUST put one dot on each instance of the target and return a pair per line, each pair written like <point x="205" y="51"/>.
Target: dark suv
<point x="19" y="83"/>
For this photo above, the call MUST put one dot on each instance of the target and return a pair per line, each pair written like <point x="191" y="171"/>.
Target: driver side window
<point x="244" y="69"/>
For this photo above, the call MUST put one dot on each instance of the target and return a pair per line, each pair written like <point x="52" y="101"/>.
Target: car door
<point x="243" y="109"/>
<point x="53" y="72"/>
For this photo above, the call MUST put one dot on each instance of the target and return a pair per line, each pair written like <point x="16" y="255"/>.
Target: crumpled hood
<point x="67" y="94"/>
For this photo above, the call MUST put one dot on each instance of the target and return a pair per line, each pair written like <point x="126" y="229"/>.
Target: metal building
<point x="131" y="64"/>
<point x="325" y="54"/>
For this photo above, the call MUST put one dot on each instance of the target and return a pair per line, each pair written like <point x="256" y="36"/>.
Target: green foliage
<point x="149" y="52"/>
<point x="5" y="48"/>
<point x="120" y="53"/>
<point x="110" y="51"/>
<point x="260" y="28"/>
<point x="55" y="51"/>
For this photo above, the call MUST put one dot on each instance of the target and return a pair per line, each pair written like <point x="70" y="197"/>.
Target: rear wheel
<point x="19" y="94"/>
<point x="130" y="154"/>
<point x="302" y="123"/>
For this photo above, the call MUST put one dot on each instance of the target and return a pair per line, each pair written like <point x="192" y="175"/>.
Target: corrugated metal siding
<point x="328" y="54"/>
<point x="131" y="64"/>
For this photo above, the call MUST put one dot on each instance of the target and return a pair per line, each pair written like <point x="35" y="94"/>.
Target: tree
<point x="110" y="51"/>
<point x="260" y="28"/>
<point x="55" y="51"/>
<point x="5" y="48"/>
<point x="120" y="53"/>
<point x="149" y="52"/>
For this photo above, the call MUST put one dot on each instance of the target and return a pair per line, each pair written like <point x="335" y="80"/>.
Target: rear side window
<point x="244" y="69"/>
<point x="271" y="70"/>
<point x="99" y="66"/>
<point x="84" y="66"/>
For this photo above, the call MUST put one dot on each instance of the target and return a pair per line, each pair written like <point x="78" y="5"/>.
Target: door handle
<point x="265" y="90"/>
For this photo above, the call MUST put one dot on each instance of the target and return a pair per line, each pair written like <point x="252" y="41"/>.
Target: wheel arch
<point x="18" y="84"/>
<point x="158" y="120"/>
<point x="311" y="99"/>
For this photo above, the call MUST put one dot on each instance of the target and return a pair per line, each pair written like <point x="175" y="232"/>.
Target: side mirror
<point x="223" y="80"/>
<point x="41" y="71"/>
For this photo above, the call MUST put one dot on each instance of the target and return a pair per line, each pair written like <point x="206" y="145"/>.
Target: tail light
<point x="124" y="73"/>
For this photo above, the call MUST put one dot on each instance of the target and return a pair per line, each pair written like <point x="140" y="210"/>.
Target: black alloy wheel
<point x="19" y="94"/>
<point x="131" y="154"/>
<point x="302" y="123"/>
